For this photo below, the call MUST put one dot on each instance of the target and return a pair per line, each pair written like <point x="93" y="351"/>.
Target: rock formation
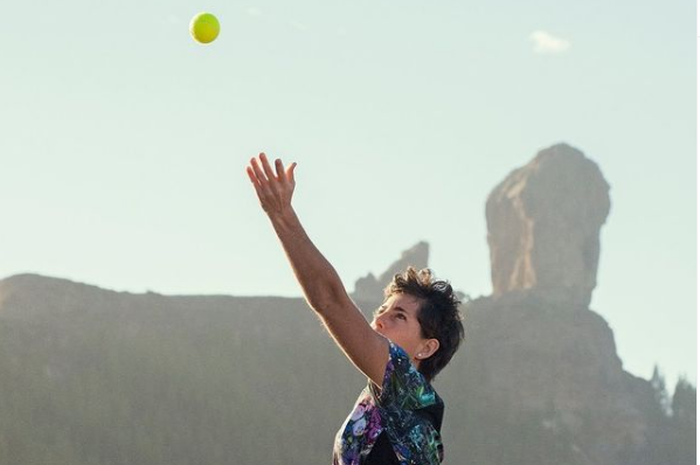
<point x="544" y="225"/>
<point x="371" y="289"/>
<point x="534" y="347"/>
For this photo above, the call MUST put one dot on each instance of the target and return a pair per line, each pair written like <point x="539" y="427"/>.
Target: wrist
<point x="283" y="218"/>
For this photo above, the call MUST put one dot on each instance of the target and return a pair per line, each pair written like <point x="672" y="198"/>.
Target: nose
<point x="378" y="323"/>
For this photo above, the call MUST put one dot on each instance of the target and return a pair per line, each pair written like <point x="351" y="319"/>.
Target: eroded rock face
<point x="544" y="225"/>
<point x="534" y="342"/>
<point x="530" y="355"/>
<point x="371" y="289"/>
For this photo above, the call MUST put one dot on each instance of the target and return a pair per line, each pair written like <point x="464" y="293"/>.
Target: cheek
<point x="411" y="333"/>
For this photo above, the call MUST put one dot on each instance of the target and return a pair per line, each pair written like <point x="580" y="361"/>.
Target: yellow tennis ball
<point x="204" y="28"/>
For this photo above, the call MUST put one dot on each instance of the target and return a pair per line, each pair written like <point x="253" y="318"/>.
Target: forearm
<point x="320" y="282"/>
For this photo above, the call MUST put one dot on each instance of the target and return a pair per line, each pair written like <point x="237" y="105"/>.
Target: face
<point x="397" y="319"/>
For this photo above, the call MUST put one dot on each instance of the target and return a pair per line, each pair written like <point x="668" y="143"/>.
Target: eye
<point x="401" y="315"/>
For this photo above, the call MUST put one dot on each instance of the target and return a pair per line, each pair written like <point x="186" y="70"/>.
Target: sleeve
<point x="403" y="387"/>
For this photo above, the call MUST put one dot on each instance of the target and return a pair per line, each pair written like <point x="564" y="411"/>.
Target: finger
<point x="267" y="167"/>
<point x="290" y="172"/>
<point x="280" y="169"/>
<point x="258" y="172"/>
<point x="259" y="189"/>
<point x="252" y="176"/>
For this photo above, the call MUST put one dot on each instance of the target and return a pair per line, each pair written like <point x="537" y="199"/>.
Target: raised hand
<point x="274" y="189"/>
<point x="323" y="289"/>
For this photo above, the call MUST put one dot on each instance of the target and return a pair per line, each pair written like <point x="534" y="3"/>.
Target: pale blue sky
<point x="124" y="142"/>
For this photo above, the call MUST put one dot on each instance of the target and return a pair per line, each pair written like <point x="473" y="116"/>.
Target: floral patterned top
<point x="395" y="411"/>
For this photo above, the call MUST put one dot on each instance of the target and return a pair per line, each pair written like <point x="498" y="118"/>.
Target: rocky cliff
<point x="534" y="344"/>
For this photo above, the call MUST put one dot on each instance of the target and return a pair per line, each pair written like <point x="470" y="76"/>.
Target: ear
<point x="429" y="348"/>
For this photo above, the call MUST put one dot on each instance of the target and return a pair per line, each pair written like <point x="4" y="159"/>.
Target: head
<point x="421" y="314"/>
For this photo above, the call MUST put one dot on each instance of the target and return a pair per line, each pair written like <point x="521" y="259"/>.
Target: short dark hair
<point x="438" y="315"/>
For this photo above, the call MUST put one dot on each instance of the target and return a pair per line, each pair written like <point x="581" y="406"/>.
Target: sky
<point x="124" y="142"/>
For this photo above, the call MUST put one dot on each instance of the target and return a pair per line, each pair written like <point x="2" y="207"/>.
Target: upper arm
<point x="366" y="349"/>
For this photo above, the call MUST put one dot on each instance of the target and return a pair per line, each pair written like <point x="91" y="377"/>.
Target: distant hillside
<point x="90" y="376"/>
<point x="94" y="376"/>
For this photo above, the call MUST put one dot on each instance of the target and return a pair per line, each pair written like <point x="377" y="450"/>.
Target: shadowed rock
<point x="371" y="289"/>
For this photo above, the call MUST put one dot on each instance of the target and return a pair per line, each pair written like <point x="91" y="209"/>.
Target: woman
<point x="413" y="335"/>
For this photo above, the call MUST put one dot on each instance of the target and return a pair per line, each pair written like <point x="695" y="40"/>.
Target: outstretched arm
<point x="323" y="289"/>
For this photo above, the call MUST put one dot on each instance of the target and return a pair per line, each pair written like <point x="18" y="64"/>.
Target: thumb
<point x="290" y="171"/>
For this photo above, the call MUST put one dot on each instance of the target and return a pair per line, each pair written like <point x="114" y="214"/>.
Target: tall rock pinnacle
<point x="543" y="225"/>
